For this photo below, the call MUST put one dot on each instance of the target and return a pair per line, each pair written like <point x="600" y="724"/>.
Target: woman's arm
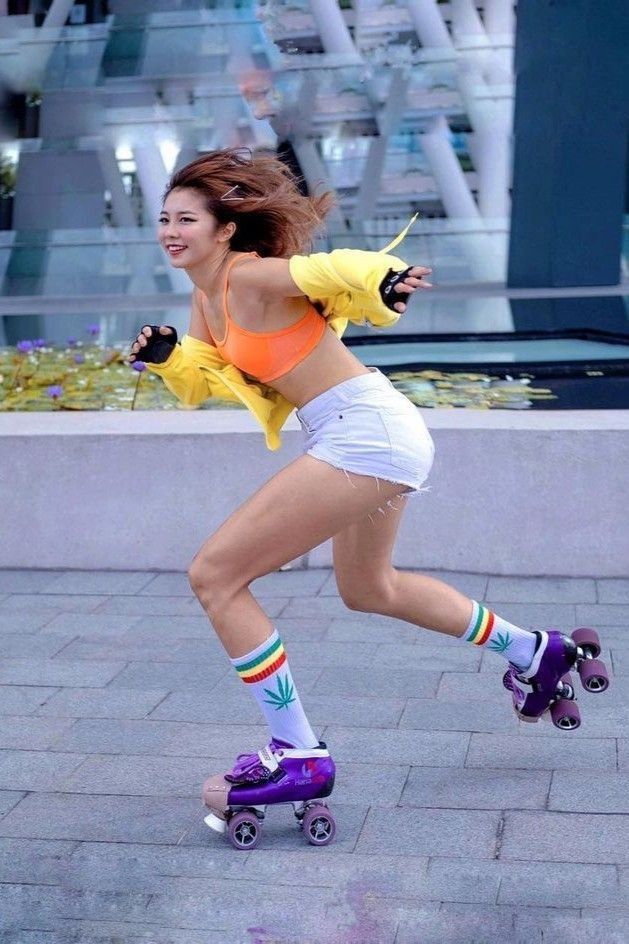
<point x="266" y="277"/>
<point x="182" y="372"/>
<point x="322" y="274"/>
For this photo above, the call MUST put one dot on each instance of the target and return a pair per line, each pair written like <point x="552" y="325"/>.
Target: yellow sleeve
<point x="346" y="282"/>
<point x="184" y="375"/>
<point x="322" y="274"/>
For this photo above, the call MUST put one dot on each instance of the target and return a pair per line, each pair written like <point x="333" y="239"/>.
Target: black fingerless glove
<point x="386" y="287"/>
<point x="158" y="347"/>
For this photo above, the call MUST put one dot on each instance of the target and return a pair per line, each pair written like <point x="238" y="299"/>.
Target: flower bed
<point x="37" y="376"/>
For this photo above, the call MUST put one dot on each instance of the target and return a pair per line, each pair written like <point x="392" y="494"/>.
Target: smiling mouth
<point x="175" y="250"/>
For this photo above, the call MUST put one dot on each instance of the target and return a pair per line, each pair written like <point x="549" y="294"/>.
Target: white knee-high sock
<point x="492" y="632"/>
<point x="266" y="672"/>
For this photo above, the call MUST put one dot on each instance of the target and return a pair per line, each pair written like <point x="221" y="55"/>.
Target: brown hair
<point x="260" y="195"/>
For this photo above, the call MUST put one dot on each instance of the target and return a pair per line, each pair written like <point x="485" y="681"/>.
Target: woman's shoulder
<point x="269" y="276"/>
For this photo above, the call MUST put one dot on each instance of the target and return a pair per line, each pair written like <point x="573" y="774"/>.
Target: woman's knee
<point x="212" y="579"/>
<point x="367" y="594"/>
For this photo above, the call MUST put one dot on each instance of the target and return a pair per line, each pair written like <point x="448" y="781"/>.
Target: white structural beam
<point x="466" y="21"/>
<point x="153" y="177"/>
<point x="491" y="157"/>
<point x="490" y="117"/>
<point x="388" y="119"/>
<point x="447" y="171"/>
<point x="34" y="57"/>
<point x="484" y="255"/>
<point x="315" y="173"/>
<point x="120" y="203"/>
<point x="499" y="17"/>
<point x="335" y="36"/>
<point x="58" y="13"/>
<point x="428" y="23"/>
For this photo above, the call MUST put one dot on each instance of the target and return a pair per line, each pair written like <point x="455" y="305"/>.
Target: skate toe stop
<point x="215" y="792"/>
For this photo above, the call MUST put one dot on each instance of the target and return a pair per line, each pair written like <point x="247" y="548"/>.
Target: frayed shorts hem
<point x="348" y="467"/>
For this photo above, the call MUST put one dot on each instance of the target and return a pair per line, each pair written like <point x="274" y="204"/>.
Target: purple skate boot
<point x="547" y="683"/>
<point x="279" y="773"/>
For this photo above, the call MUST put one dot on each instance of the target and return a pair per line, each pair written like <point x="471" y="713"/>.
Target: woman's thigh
<point x="362" y="556"/>
<point x="302" y="506"/>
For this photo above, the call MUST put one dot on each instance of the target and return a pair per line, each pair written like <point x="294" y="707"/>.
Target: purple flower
<point x="79" y="359"/>
<point x="24" y="346"/>
<point x="72" y="342"/>
<point x="54" y="392"/>
<point x="40" y="342"/>
<point x="93" y="329"/>
<point x="139" y="365"/>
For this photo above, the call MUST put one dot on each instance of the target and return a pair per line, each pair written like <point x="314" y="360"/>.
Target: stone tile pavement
<point x="456" y="823"/>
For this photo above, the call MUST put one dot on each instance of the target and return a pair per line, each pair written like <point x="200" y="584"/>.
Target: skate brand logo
<point x="309" y="772"/>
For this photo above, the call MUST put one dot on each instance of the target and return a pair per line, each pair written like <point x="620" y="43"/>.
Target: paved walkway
<point x="456" y="824"/>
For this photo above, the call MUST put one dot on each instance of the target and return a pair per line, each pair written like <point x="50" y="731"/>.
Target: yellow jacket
<point x="344" y="282"/>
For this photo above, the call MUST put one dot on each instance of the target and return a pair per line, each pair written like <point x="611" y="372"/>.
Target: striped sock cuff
<point x="481" y="625"/>
<point x="261" y="662"/>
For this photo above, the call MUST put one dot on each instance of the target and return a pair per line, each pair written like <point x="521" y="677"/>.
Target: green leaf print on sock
<point x="502" y="643"/>
<point x="284" y="695"/>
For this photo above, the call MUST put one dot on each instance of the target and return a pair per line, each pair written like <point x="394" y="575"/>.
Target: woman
<point x="265" y="329"/>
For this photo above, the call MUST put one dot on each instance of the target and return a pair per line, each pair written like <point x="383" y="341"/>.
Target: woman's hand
<point x="154" y="344"/>
<point x="406" y="282"/>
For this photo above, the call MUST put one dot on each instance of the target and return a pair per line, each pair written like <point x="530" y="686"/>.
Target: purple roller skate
<point x="547" y="684"/>
<point x="279" y="773"/>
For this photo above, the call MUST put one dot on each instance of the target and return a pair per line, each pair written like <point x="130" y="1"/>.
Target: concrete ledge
<point x="530" y="493"/>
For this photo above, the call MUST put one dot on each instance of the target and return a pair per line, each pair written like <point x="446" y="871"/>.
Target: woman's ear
<point x="228" y="231"/>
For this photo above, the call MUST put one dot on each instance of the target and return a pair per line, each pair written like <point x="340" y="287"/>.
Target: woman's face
<point x="189" y="233"/>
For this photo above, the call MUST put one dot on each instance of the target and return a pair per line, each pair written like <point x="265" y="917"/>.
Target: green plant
<point x="8" y="174"/>
<point x="466" y="162"/>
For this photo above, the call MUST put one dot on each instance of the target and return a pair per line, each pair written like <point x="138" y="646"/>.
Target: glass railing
<point x="40" y="58"/>
<point x="203" y="43"/>
<point x="129" y="261"/>
<point x="198" y="41"/>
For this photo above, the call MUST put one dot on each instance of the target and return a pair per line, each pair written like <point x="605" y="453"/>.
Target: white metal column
<point x="499" y="17"/>
<point x="153" y="177"/>
<point x="314" y="173"/>
<point x="58" y="13"/>
<point x="447" y="172"/>
<point x="428" y="23"/>
<point x="335" y="36"/>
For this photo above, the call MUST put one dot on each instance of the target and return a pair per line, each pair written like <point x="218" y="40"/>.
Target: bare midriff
<point x="330" y="363"/>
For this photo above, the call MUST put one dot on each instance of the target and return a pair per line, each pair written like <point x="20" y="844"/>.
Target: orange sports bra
<point x="267" y="355"/>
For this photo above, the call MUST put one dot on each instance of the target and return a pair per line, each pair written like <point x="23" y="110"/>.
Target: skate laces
<point x="250" y="768"/>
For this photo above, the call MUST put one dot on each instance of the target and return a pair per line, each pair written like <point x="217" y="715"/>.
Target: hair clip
<point x="235" y="187"/>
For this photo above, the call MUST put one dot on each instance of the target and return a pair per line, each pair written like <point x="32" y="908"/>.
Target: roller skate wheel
<point x="244" y="830"/>
<point x="565" y="714"/>
<point x="593" y="675"/>
<point x="318" y="825"/>
<point x="215" y="823"/>
<point x="588" y="639"/>
<point x="506" y="680"/>
<point x="565" y="689"/>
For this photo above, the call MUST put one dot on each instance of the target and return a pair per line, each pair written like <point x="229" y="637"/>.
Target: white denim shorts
<point x="365" y="425"/>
